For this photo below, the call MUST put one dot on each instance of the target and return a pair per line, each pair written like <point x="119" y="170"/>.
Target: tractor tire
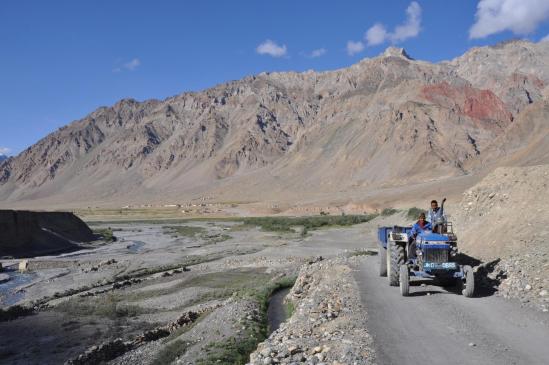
<point x="398" y="258"/>
<point x="382" y="260"/>
<point x="404" y="280"/>
<point x="388" y="261"/>
<point x="469" y="285"/>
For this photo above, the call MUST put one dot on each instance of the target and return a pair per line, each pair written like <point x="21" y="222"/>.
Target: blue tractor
<point x="429" y="255"/>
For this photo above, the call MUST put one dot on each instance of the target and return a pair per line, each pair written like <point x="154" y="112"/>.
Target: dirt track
<point x="446" y="328"/>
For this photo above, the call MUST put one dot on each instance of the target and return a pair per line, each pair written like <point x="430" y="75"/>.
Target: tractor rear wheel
<point x="404" y="280"/>
<point x="388" y="260"/>
<point x="398" y="258"/>
<point x="469" y="289"/>
<point x="382" y="260"/>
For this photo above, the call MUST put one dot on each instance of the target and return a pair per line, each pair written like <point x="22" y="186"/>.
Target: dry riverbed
<point x="188" y="293"/>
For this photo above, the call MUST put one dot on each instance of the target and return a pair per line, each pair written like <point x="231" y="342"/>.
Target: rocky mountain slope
<point x="385" y="121"/>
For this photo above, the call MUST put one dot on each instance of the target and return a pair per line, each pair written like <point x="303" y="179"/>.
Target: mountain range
<point x="384" y="124"/>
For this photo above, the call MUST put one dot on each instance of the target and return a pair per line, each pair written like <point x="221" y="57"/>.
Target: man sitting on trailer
<point x="418" y="227"/>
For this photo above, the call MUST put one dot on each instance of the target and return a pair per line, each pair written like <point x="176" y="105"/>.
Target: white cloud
<point x="271" y="48"/>
<point x="129" y="66"/>
<point x="378" y="34"/>
<point x="318" y="52"/>
<point x="518" y="16"/>
<point x="132" y="65"/>
<point x="354" y="47"/>
<point x="545" y="39"/>
<point x="411" y="27"/>
<point x="4" y="150"/>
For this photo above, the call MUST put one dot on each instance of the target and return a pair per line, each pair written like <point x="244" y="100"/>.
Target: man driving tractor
<point x="421" y="225"/>
<point x="418" y="227"/>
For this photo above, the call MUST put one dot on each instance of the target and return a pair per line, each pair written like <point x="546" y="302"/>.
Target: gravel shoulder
<point x="329" y="322"/>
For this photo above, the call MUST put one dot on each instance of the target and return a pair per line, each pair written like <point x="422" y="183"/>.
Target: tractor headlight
<point x="399" y="237"/>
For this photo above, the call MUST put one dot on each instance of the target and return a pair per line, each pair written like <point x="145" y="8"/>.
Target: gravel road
<point x="446" y="328"/>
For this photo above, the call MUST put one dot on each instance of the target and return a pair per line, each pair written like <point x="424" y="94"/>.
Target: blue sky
<point x="60" y="60"/>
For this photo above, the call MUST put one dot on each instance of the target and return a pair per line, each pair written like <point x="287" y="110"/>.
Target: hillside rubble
<point x="328" y="326"/>
<point x="504" y="221"/>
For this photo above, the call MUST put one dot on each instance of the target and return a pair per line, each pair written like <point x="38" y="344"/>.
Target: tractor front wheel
<point x="469" y="285"/>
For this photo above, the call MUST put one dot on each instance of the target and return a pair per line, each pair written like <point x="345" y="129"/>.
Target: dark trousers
<point x="411" y="248"/>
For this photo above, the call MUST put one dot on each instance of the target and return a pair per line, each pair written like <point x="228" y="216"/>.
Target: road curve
<point x="446" y="328"/>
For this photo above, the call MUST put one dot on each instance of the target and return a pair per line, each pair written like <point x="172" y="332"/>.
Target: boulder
<point x="24" y="266"/>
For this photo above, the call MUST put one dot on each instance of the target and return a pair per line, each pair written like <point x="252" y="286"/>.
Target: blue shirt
<point x="416" y="228"/>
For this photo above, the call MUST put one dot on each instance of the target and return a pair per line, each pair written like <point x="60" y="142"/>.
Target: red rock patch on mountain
<point x="482" y="105"/>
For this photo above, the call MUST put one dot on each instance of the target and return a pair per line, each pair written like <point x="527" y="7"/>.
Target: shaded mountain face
<point x="3" y="157"/>
<point x="385" y="121"/>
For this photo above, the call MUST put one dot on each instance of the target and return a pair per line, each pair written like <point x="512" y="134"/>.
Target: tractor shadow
<point x="424" y="287"/>
<point x="422" y="293"/>
<point x="486" y="282"/>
